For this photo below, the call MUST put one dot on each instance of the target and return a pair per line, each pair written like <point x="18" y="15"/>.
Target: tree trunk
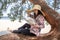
<point x="51" y="15"/>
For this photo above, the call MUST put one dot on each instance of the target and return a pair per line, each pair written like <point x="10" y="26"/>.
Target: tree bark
<point x="51" y="15"/>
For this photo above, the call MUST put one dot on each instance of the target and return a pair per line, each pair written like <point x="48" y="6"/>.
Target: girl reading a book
<point x="33" y="29"/>
<point x="39" y="18"/>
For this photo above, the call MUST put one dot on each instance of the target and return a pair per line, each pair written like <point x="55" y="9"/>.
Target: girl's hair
<point x="39" y="13"/>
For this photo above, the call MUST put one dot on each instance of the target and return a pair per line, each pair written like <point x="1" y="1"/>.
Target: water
<point x="4" y="33"/>
<point x="4" y="18"/>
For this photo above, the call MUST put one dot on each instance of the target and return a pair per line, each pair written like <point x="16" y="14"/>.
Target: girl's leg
<point x="16" y="31"/>
<point x="24" y="26"/>
<point x="24" y="31"/>
<point x="27" y="32"/>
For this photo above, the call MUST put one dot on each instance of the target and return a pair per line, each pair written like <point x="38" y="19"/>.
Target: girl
<point x="33" y="29"/>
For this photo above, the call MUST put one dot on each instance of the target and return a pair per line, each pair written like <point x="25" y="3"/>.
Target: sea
<point x="4" y="33"/>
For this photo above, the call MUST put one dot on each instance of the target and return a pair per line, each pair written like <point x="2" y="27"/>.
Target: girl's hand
<point x="36" y="25"/>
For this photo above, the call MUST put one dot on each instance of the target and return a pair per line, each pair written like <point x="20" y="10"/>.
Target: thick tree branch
<point x="51" y="15"/>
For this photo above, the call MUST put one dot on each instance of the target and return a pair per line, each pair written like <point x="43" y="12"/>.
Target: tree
<point x="55" y="1"/>
<point x="1" y="14"/>
<point x="51" y="15"/>
<point x="16" y="7"/>
<point x="54" y="4"/>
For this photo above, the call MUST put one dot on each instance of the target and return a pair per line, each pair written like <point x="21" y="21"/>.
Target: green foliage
<point x="16" y="11"/>
<point x="1" y="14"/>
<point x="54" y="3"/>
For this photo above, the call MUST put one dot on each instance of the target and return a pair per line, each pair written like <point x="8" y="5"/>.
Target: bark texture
<point x="52" y="17"/>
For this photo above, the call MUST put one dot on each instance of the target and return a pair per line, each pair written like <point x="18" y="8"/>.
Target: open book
<point x="30" y="20"/>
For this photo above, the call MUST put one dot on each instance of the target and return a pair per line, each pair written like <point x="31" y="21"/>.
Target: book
<point x="30" y="20"/>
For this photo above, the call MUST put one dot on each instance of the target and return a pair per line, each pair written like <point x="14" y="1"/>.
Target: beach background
<point x="6" y="24"/>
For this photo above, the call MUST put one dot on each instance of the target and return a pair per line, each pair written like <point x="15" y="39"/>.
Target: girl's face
<point x="36" y="11"/>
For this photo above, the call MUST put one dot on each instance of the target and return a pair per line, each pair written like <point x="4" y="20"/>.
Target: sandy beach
<point x="7" y="24"/>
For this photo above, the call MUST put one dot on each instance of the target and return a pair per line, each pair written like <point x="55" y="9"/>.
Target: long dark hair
<point x="39" y="13"/>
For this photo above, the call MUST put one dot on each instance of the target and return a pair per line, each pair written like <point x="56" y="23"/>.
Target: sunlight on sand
<point x="46" y="29"/>
<point x="5" y="24"/>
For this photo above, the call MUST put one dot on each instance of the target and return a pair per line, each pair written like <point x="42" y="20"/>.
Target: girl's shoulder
<point x="40" y="16"/>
